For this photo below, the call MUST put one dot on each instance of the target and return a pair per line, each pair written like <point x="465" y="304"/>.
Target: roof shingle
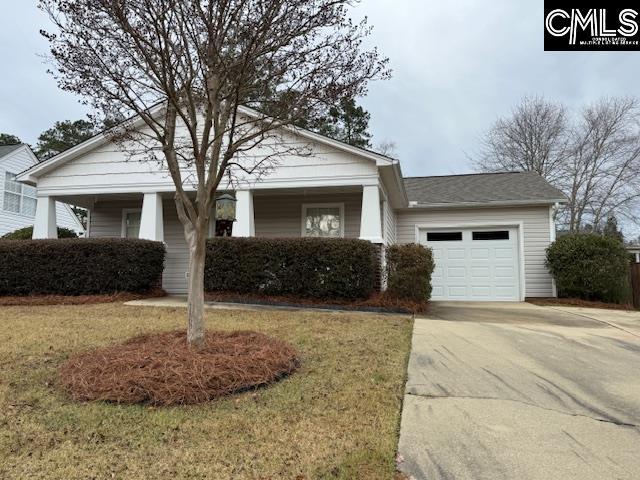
<point x="517" y="187"/>
<point x="7" y="149"/>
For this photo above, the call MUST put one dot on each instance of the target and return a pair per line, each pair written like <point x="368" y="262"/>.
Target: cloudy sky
<point x="458" y="65"/>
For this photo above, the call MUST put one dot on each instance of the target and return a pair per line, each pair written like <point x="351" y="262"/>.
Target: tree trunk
<point x="195" y="303"/>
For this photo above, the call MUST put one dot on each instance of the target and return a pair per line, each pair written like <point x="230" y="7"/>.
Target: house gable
<point x="100" y="165"/>
<point x="16" y="161"/>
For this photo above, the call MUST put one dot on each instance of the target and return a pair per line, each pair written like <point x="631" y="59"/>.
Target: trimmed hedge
<point x="590" y="267"/>
<point x="304" y="267"/>
<point x="409" y="269"/>
<point x="27" y="232"/>
<point x="79" y="266"/>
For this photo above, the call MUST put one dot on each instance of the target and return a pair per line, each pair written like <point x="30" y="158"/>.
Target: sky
<point x="457" y="66"/>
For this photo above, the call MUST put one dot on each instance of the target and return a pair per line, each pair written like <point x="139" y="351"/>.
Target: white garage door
<point x="474" y="264"/>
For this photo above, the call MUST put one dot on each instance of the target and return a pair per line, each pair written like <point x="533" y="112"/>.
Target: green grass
<point x="337" y="417"/>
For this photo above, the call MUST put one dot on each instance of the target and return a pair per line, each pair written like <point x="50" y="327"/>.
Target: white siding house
<point x="531" y="225"/>
<point x="17" y="200"/>
<point x="495" y="226"/>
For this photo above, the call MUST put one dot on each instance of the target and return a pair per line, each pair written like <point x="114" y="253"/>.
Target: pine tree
<point x="611" y="229"/>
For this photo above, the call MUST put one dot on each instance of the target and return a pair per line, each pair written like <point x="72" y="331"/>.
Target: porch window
<point x="323" y="220"/>
<point x="131" y="223"/>
<point x="18" y="197"/>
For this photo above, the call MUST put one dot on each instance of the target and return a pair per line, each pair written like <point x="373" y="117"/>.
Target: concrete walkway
<point x="517" y="391"/>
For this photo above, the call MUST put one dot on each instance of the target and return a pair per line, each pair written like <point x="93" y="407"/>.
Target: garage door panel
<point x="481" y="272"/>
<point x="438" y="273"/>
<point x="455" y="253"/>
<point x="505" y="292"/>
<point x="480" y="266"/>
<point x="504" y="272"/>
<point x="504" y="253"/>
<point x="438" y="253"/>
<point x="457" y="292"/>
<point x="456" y="272"/>
<point x="481" y="292"/>
<point x="480" y="254"/>
<point x="437" y="291"/>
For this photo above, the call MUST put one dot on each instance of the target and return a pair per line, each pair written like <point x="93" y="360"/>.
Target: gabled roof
<point x="31" y="175"/>
<point x="482" y="188"/>
<point x="7" y="149"/>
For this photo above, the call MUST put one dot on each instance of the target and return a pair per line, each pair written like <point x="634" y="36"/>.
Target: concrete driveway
<point x="516" y="391"/>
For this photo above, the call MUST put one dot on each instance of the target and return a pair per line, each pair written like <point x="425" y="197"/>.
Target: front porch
<point x="348" y="212"/>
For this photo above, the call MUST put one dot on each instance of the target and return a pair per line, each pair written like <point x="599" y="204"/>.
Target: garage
<point x="475" y="264"/>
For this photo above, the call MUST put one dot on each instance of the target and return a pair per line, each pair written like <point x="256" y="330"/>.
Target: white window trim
<point x="305" y="206"/>
<point x="125" y="212"/>
<point x="20" y="194"/>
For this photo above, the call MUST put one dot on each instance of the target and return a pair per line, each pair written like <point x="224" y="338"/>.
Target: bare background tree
<point x="533" y="139"/>
<point x="187" y="69"/>
<point x="601" y="176"/>
<point x="592" y="156"/>
<point x="388" y="148"/>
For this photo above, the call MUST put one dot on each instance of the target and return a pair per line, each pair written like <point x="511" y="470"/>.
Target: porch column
<point x="245" y="223"/>
<point x="45" y="224"/>
<point x="151" y="219"/>
<point x="371" y="219"/>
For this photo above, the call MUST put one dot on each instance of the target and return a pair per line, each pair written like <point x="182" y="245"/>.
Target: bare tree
<point x="534" y="138"/>
<point x="601" y="176"/>
<point x="594" y="157"/>
<point x="387" y="147"/>
<point x="187" y="69"/>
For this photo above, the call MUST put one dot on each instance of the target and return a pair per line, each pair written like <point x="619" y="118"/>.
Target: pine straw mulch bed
<point x="577" y="302"/>
<point x="161" y="369"/>
<point x="377" y="303"/>
<point x="35" y="300"/>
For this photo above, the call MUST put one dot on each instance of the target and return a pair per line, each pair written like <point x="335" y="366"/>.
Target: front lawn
<point x="337" y="417"/>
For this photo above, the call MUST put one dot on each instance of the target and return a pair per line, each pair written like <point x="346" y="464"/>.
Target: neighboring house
<point x="635" y="251"/>
<point x="17" y="200"/>
<point x="488" y="231"/>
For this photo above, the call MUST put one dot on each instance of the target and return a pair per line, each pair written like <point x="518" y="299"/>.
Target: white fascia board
<point x="368" y="154"/>
<point x="48" y="165"/>
<point x="392" y="178"/>
<point x="31" y="175"/>
<point x="167" y="187"/>
<point x="510" y="203"/>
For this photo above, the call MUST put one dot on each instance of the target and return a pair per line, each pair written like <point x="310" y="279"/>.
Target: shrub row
<point x="26" y="233"/>
<point x="79" y="266"/>
<point x="305" y="267"/>
<point x="409" y="269"/>
<point x="590" y="267"/>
